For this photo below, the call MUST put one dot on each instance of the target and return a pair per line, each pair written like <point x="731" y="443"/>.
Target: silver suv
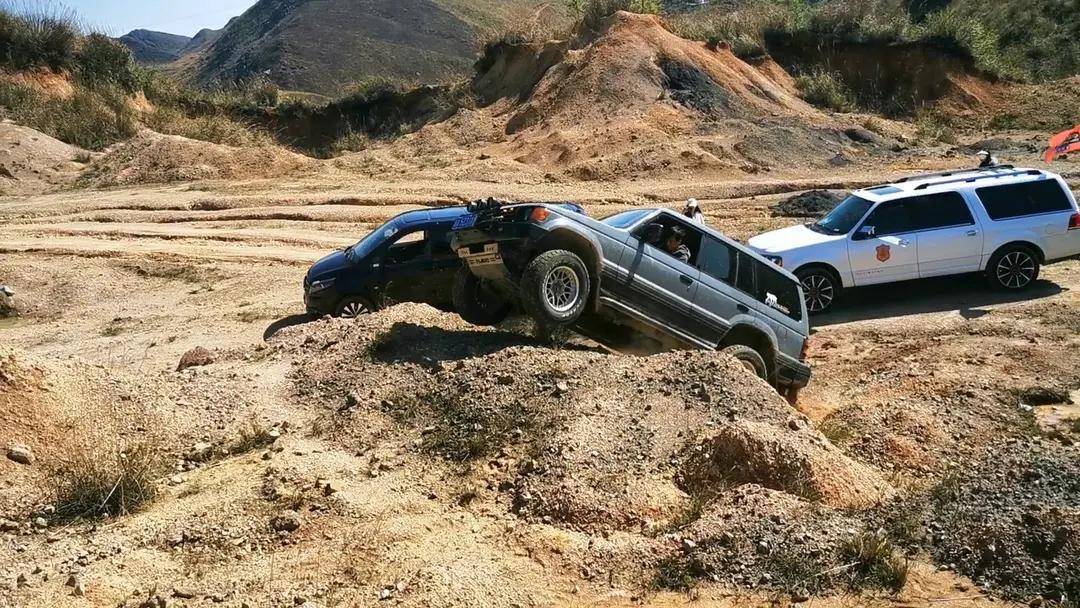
<point x="563" y="268"/>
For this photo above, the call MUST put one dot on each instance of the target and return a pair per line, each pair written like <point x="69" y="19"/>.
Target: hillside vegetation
<point x="1027" y="40"/>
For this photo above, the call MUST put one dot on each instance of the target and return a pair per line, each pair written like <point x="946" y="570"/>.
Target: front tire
<point x="750" y="358"/>
<point x="1014" y="268"/>
<point x="351" y="307"/>
<point x="555" y="288"/>
<point x="821" y="288"/>
<point x="476" y="302"/>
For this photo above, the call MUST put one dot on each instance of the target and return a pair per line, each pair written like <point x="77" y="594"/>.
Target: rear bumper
<point x="791" y="373"/>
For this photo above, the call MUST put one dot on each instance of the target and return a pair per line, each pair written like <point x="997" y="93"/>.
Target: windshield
<point x="626" y="219"/>
<point x="843" y="218"/>
<point x="371" y="242"/>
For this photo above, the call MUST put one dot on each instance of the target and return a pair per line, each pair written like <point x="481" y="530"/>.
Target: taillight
<point x="805" y="349"/>
<point x="539" y="215"/>
<point x="1074" y="221"/>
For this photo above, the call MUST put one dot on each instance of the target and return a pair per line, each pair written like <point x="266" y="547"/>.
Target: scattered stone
<point x="21" y="580"/>
<point x="41" y="522"/>
<point x="184" y="593"/>
<point x="288" y="521"/>
<point x="21" y="454"/>
<point x="195" y="357"/>
<point x="72" y="580"/>
<point x="561" y="388"/>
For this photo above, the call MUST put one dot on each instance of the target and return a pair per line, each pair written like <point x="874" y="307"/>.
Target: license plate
<point x="490" y="255"/>
<point x="465" y="221"/>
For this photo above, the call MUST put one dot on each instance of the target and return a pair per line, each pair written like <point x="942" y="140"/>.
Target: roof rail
<point x="952" y="172"/>
<point x="979" y="177"/>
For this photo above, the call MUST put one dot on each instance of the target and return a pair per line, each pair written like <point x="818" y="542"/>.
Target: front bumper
<point x="322" y="302"/>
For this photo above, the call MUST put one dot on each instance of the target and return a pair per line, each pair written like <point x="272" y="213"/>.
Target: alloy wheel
<point x="561" y="289"/>
<point x="354" y="309"/>
<point x="819" y="292"/>
<point x="1016" y="270"/>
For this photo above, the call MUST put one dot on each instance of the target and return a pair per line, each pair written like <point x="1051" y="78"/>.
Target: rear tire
<point x="555" y="288"/>
<point x="477" y="303"/>
<point x="821" y="288"/>
<point x="750" y="358"/>
<point x="1014" y="268"/>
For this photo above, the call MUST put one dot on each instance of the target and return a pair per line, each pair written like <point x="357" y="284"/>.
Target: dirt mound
<point x="753" y="536"/>
<point x="793" y="458"/>
<point x="815" y="203"/>
<point x="32" y="162"/>
<point x="154" y="158"/>
<point x="633" y="99"/>
<point x="582" y="438"/>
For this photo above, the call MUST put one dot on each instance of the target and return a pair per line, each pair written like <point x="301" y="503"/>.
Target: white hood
<point x="779" y="242"/>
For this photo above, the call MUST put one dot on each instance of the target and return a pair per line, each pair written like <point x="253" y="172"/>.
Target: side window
<point x="940" y="210"/>
<point x="1017" y="200"/>
<point x="778" y="292"/>
<point x="693" y="238"/>
<point x="716" y="260"/>
<point x="747" y="277"/>
<point x="893" y="217"/>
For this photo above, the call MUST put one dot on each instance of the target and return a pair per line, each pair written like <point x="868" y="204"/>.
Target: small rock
<point x="288" y="521"/>
<point x="800" y="596"/>
<point x="79" y="589"/>
<point x="20" y="454"/>
<point x="21" y="580"/>
<point x="561" y="388"/>
<point x="184" y="593"/>
<point x="41" y="522"/>
<point x="195" y="357"/>
<point x="385" y="594"/>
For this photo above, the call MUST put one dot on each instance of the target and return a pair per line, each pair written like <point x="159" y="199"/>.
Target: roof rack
<point x="952" y="172"/>
<point x="976" y="178"/>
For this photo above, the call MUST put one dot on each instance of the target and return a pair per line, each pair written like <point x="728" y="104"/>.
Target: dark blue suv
<point x="407" y="259"/>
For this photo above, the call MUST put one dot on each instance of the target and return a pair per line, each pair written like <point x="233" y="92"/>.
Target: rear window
<point x="777" y="291"/>
<point x="1018" y="200"/>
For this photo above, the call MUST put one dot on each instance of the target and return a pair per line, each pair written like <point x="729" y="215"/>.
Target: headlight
<point x="321" y="285"/>
<point x="775" y="259"/>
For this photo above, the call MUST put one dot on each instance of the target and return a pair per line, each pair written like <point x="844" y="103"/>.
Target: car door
<point x="405" y="266"/>
<point x="718" y="303"/>
<point x="884" y="248"/>
<point x="444" y="264"/>
<point x="662" y="287"/>
<point x="950" y="241"/>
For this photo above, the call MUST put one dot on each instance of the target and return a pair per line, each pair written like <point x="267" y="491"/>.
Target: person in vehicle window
<point x="675" y="245"/>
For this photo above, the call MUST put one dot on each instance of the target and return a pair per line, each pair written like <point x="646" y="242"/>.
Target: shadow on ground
<point x="272" y="329"/>
<point x="432" y="346"/>
<point x="967" y="295"/>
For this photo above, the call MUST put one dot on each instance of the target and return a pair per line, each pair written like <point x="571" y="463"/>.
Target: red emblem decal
<point x="883" y="253"/>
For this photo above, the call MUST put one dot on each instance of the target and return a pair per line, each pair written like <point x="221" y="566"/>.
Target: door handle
<point x="742" y="308"/>
<point x="904" y="242"/>
<point x="973" y="233"/>
<point x="686" y="280"/>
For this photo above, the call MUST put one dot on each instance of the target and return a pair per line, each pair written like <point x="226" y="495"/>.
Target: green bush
<point x="825" y="89"/>
<point x="38" y="40"/>
<point x="593" y="13"/>
<point x="102" y="61"/>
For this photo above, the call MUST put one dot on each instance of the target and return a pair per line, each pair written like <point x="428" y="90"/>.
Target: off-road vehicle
<point x="565" y="269"/>
<point x="1002" y="221"/>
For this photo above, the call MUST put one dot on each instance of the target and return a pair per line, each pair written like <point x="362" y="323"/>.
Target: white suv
<point x="1002" y="221"/>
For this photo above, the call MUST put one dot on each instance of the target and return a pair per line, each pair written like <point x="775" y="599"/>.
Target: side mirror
<point x="864" y="232"/>
<point x="653" y="232"/>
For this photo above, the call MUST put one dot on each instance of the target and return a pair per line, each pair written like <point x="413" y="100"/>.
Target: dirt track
<point x="129" y="280"/>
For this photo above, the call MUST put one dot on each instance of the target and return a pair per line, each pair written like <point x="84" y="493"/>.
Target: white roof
<point x="948" y="181"/>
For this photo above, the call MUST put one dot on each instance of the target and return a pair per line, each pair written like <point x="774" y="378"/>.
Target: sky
<point x="186" y="17"/>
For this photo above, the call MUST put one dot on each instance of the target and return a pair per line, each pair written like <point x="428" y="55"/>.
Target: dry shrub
<point x="214" y="128"/>
<point x="875" y="562"/>
<point x="825" y="89"/>
<point x="103" y="481"/>
<point x="251" y="436"/>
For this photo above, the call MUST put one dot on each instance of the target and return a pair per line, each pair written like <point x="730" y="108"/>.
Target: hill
<point x="155" y="47"/>
<point x="324" y="46"/>
<point x="204" y="38"/>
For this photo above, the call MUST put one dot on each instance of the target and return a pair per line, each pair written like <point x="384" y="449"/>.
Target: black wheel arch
<point x="757" y="339"/>
<point x="1039" y="254"/>
<point x="822" y="266"/>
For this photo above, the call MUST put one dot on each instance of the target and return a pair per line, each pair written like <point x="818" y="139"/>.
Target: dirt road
<point x="115" y="286"/>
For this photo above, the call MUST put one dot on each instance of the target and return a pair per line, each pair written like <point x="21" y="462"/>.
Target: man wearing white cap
<point x="986" y="160"/>
<point x="693" y="211"/>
